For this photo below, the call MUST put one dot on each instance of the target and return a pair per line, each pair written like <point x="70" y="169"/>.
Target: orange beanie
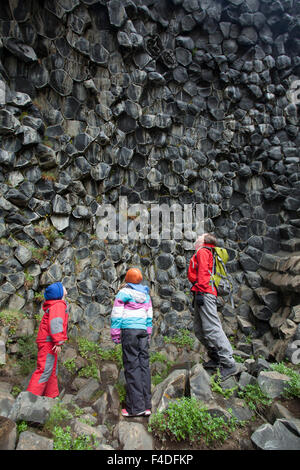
<point x="133" y="275"/>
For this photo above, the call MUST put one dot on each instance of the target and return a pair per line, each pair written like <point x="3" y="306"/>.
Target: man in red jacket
<point x="51" y="336"/>
<point x="207" y="325"/>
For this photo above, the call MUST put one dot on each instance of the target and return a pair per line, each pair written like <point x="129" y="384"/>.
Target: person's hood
<point x="139" y="287"/>
<point x="139" y="292"/>
<point x="49" y="303"/>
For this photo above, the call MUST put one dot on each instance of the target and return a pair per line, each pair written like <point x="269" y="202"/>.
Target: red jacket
<point x="54" y="324"/>
<point x="205" y="264"/>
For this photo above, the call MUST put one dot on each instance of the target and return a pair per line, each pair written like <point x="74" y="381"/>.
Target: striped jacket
<point x="132" y="308"/>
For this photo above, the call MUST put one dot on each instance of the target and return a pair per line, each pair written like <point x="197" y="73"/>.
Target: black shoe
<point x="211" y="364"/>
<point x="226" y="372"/>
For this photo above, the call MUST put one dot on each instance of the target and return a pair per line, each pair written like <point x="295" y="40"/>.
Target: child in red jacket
<point x="51" y="336"/>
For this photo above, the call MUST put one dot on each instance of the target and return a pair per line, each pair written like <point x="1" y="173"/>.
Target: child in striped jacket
<point x="131" y="325"/>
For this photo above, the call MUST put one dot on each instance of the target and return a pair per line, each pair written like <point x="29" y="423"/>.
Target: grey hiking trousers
<point x="136" y="369"/>
<point x="208" y="330"/>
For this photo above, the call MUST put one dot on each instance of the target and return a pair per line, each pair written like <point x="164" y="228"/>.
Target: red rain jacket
<point x="205" y="264"/>
<point x="54" y="324"/>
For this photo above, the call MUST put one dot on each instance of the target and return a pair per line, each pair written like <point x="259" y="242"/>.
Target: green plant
<point x="159" y="357"/>
<point x="39" y="254"/>
<point x="15" y="391"/>
<point x="21" y="426"/>
<point x="188" y="419"/>
<point x="49" y="175"/>
<point x="92" y="351"/>
<point x="70" y="365"/>
<point x="28" y="280"/>
<point x="63" y="440"/>
<point x="11" y="319"/>
<point x="113" y="354"/>
<point x="27" y="354"/>
<point x="238" y="358"/>
<point x="91" y="370"/>
<point x="38" y="297"/>
<point x="57" y="415"/>
<point x="183" y="338"/>
<point x="121" y="391"/>
<point x="254" y="398"/>
<point x="78" y="411"/>
<point x="292" y="390"/>
<point x="215" y="382"/>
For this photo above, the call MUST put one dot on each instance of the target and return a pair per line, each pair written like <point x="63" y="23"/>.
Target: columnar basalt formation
<point x="165" y="102"/>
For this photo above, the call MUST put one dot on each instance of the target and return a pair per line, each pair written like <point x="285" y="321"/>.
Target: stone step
<point x="292" y="245"/>
<point x="288" y="231"/>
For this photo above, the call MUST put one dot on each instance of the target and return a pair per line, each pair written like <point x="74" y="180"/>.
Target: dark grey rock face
<point x="161" y="102"/>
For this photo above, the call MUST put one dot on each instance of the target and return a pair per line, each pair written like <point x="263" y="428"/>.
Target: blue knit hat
<point x="54" y="291"/>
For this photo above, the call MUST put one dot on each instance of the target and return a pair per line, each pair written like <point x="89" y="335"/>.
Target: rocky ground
<point x="92" y="392"/>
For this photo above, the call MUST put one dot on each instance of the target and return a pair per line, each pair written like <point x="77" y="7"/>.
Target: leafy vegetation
<point x="91" y="370"/>
<point x="27" y="354"/>
<point x="15" y="391"/>
<point x="159" y="357"/>
<point x="22" y="426"/>
<point x="121" y="391"/>
<point x="188" y="419"/>
<point x="182" y="339"/>
<point x="293" y="388"/>
<point x="70" y="365"/>
<point x="10" y="318"/>
<point x="63" y="440"/>
<point x="92" y="351"/>
<point x="215" y="382"/>
<point x="254" y="398"/>
<point x="58" y="414"/>
<point x="38" y="297"/>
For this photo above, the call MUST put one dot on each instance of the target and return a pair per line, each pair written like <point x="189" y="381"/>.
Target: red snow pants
<point x="43" y="381"/>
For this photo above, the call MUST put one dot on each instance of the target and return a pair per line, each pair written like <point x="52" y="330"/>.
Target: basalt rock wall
<point x="161" y="102"/>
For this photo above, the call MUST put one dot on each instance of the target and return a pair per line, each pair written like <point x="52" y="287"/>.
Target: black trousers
<point x="137" y="370"/>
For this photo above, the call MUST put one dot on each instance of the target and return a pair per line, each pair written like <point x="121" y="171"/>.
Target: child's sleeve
<point x="117" y="316"/>
<point x="58" y="323"/>
<point x="149" y="317"/>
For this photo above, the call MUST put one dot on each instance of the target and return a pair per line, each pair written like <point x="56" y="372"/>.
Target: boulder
<point x="173" y="387"/>
<point x="239" y="410"/>
<point x="107" y="406"/>
<point x="133" y="436"/>
<point x="8" y="434"/>
<point x="276" y="437"/>
<point x="109" y="373"/>
<point x="31" y="441"/>
<point x="272" y="383"/>
<point x="200" y="384"/>
<point x="81" y="428"/>
<point x="31" y="408"/>
<point x="2" y="352"/>
<point x="86" y="393"/>
<point x="6" y="399"/>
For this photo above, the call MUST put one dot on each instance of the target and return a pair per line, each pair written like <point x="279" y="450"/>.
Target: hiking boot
<point x="125" y="413"/>
<point x="226" y="371"/>
<point x="211" y="364"/>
